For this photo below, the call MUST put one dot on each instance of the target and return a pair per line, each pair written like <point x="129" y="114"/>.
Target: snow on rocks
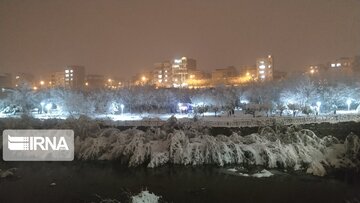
<point x="145" y="197"/>
<point x="262" y="174"/>
<point x="316" y="168"/>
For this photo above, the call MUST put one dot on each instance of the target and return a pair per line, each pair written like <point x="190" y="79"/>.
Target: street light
<point x="122" y="108"/>
<point x="318" y="104"/>
<point x="42" y="106"/>
<point x="48" y="107"/>
<point x="348" y="102"/>
<point x="42" y="83"/>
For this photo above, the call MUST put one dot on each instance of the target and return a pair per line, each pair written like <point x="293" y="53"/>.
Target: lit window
<point x="261" y="72"/>
<point x="177" y="61"/>
<point x="333" y="65"/>
<point x="160" y="80"/>
<point x="71" y="74"/>
<point x="166" y="76"/>
<point x="262" y="66"/>
<point x="66" y="71"/>
<point x="67" y="75"/>
<point x="160" y="76"/>
<point x="71" y="71"/>
<point x="165" y="80"/>
<point x="338" y="64"/>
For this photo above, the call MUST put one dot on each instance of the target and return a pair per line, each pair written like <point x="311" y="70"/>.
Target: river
<point x="85" y="181"/>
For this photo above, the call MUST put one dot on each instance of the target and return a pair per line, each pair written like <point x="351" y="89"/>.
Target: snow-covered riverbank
<point x="178" y="143"/>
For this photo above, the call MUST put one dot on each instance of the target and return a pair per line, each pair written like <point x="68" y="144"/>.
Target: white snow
<point x="192" y="145"/>
<point x="262" y="174"/>
<point x="294" y="149"/>
<point x="316" y="168"/>
<point x="145" y="197"/>
<point x="232" y="169"/>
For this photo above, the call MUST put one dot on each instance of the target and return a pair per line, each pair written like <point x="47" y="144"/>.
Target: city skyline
<point x="113" y="38"/>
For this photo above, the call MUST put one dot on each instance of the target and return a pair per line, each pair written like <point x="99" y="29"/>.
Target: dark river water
<point x="83" y="181"/>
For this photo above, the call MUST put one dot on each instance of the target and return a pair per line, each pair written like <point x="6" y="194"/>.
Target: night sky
<point x="124" y="37"/>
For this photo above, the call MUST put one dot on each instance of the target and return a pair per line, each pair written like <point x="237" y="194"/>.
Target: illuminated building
<point x="315" y="70"/>
<point x="343" y="65"/>
<point x="74" y="77"/>
<point x="162" y="74"/>
<point x="265" y="68"/>
<point x="180" y="71"/>
<point x="57" y="79"/>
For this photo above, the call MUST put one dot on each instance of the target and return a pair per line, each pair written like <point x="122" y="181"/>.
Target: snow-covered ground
<point x="239" y="119"/>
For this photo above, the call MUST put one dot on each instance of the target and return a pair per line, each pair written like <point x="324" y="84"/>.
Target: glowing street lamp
<point x="48" y="107"/>
<point x="42" y="82"/>
<point x="348" y="102"/>
<point x="122" y="108"/>
<point x="318" y="104"/>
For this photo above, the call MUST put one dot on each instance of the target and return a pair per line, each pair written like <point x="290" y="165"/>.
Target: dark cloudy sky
<point x="124" y="37"/>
